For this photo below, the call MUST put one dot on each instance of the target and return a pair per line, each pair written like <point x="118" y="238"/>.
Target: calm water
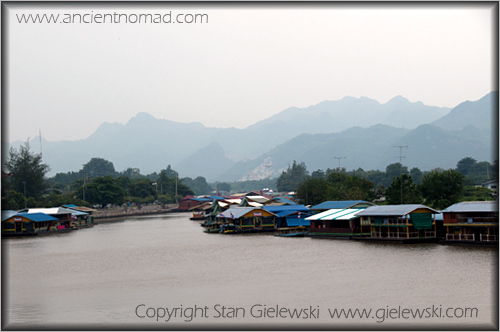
<point x="97" y="278"/>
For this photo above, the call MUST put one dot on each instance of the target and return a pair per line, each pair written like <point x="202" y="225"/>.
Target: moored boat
<point x="291" y="231"/>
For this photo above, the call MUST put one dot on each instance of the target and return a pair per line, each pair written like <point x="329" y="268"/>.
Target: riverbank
<point x="133" y="211"/>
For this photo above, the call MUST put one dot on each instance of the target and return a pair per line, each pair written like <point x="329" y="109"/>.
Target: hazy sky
<point x="246" y="64"/>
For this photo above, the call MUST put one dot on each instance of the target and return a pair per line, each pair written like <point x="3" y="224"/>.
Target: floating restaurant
<point x="471" y="223"/>
<point x="406" y="223"/>
<point x="339" y="223"/>
<point x="33" y="224"/>
<point x="248" y="219"/>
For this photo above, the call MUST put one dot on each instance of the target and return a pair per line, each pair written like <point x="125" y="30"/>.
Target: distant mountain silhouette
<point x="360" y="128"/>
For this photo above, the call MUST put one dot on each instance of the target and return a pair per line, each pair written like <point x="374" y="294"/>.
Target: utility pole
<point x="176" y="178"/>
<point x="401" y="157"/>
<point x="340" y="175"/>
<point x="25" y="203"/>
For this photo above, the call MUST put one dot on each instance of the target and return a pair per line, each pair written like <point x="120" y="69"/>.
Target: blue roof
<point x="286" y="208"/>
<point x="36" y="217"/>
<point x="296" y="221"/>
<point x="216" y="198"/>
<point x="337" y="205"/>
<point x="69" y="205"/>
<point x="237" y="212"/>
<point x="284" y="200"/>
<point x="200" y="199"/>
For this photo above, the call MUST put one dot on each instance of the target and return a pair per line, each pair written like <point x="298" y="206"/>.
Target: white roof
<point x="259" y="199"/>
<point x="336" y="214"/>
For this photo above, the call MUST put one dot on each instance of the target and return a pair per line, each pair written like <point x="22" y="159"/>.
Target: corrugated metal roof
<point x="284" y="200"/>
<point x="52" y="211"/>
<point x="487" y="206"/>
<point x="237" y="212"/>
<point x="36" y="217"/>
<point x="288" y="208"/>
<point x="258" y="199"/>
<point x="336" y="214"/>
<point x="393" y="210"/>
<point x="6" y="214"/>
<point x="337" y="205"/>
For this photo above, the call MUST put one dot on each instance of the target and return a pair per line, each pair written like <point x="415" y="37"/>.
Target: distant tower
<point x="40" y="135"/>
<point x="401" y="157"/>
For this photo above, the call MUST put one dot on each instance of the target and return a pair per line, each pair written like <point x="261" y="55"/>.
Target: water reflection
<point x="99" y="275"/>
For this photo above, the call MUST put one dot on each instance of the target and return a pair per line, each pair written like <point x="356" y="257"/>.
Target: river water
<point x="133" y="273"/>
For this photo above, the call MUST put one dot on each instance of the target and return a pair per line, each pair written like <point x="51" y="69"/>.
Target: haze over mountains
<point x="362" y="130"/>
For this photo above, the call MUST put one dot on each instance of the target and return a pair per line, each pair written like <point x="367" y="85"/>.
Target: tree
<point x="479" y="173"/>
<point x="104" y="190"/>
<point x="473" y="193"/>
<point x="394" y="170"/>
<point x="312" y="191"/>
<point x="464" y="165"/>
<point x="441" y="189"/>
<point x="13" y="201"/>
<point x="403" y="186"/>
<point x="346" y="187"/>
<point x="28" y="171"/>
<point x="141" y="188"/>
<point x="223" y="186"/>
<point x="98" y="167"/>
<point x="198" y="185"/>
<point x="290" y="179"/>
<point x="132" y="173"/>
<point x="416" y="175"/>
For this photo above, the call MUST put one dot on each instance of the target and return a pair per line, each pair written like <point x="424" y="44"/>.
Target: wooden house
<point x="405" y="223"/>
<point x="290" y="215"/>
<point x="338" y="223"/>
<point x="471" y="223"/>
<point x="32" y="224"/>
<point x="84" y="215"/>
<point x="189" y="202"/>
<point x="200" y="211"/>
<point x="248" y="219"/>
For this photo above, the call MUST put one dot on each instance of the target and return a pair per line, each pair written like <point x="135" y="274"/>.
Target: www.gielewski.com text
<point x="259" y="311"/>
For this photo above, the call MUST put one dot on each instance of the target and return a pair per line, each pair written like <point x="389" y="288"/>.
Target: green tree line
<point x="438" y="188"/>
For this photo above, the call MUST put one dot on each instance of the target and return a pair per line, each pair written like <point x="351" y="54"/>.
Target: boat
<point x="291" y="231"/>
<point x="213" y="227"/>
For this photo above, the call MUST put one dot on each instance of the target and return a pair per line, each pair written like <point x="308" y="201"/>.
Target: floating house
<point x="200" y="211"/>
<point x="248" y="219"/>
<point x="339" y="223"/>
<point x="84" y="215"/>
<point x="189" y="202"/>
<point x="471" y="223"/>
<point x="406" y="223"/>
<point x="32" y="224"/>
<point x="290" y="215"/>
<point x="290" y="219"/>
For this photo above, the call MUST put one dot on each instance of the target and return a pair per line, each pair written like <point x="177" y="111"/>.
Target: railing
<point x="396" y="235"/>
<point x="376" y="234"/>
<point x="430" y="234"/>
<point x="477" y="220"/>
<point x="488" y="238"/>
<point x="460" y="237"/>
<point x="390" y="222"/>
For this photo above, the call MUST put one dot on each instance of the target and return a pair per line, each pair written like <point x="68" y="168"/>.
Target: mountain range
<point x="357" y="132"/>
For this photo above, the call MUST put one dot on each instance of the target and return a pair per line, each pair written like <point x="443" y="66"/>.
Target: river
<point x="133" y="273"/>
